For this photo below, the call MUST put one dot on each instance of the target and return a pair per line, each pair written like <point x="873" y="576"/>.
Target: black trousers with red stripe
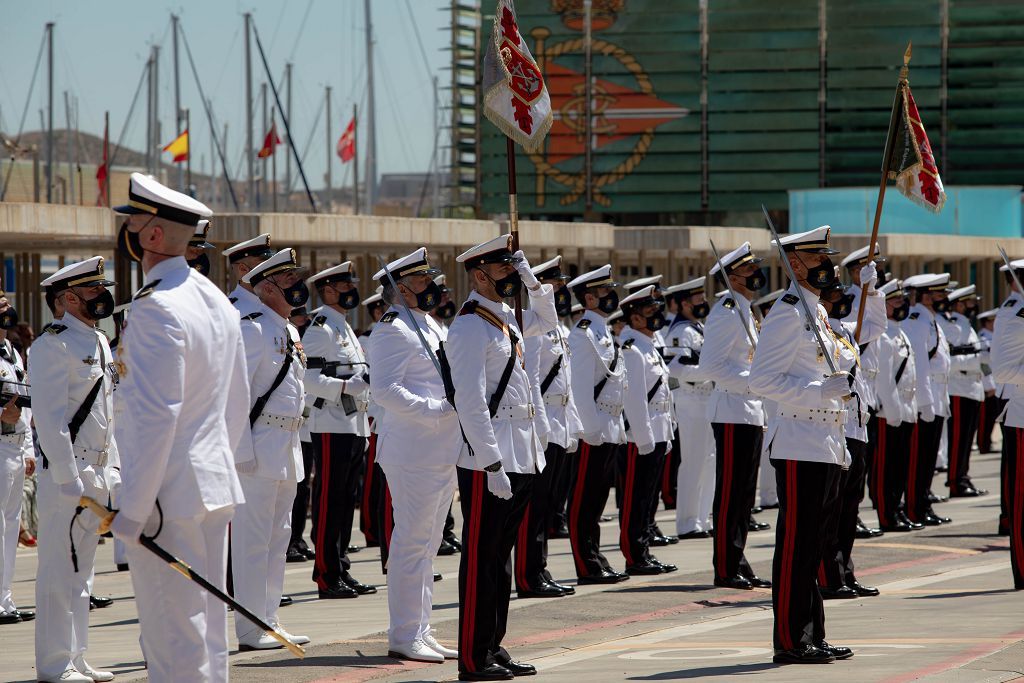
<point x="385" y="514"/>
<point x="869" y="458"/>
<point x="961" y="429"/>
<point x="924" y="451"/>
<point x="1013" y="485"/>
<point x="990" y="409"/>
<point x="737" y="454"/>
<point x="338" y="460"/>
<point x="561" y="467"/>
<point x="371" y="494"/>
<point x="890" y="466"/>
<point x="300" y="506"/>
<point x="662" y="465"/>
<point x="592" y="481"/>
<point x="807" y="490"/>
<point x="841" y="521"/>
<point x="489" y="529"/>
<point x="670" y="474"/>
<point x="641" y="478"/>
<point x="531" y="563"/>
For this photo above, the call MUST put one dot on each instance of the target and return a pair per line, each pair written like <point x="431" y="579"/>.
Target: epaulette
<point x="232" y="300"/>
<point x="583" y="324"/>
<point x="628" y="344"/>
<point x="252" y="316"/>
<point x="55" y="328"/>
<point x="146" y="290"/>
<point x="915" y="315"/>
<point x="468" y="308"/>
<point x="790" y="298"/>
<point x="388" y="318"/>
<point x="320" y="320"/>
<point x="1010" y="303"/>
<point x="1020" y="313"/>
<point x="729" y="303"/>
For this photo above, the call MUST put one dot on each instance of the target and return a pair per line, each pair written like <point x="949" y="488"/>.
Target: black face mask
<point x="428" y="299"/>
<point x="446" y="311"/>
<point x="822" y="275"/>
<point x="296" y="295"/>
<point x="563" y="302"/>
<point x="508" y="286"/>
<point x="842" y="308"/>
<point x="901" y="312"/>
<point x="701" y="310"/>
<point x="971" y="312"/>
<point x="756" y="280"/>
<point x="883" y="275"/>
<point x="101" y="306"/>
<point x="8" y="319"/>
<point x="655" y="322"/>
<point x="609" y="302"/>
<point x="941" y="306"/>
<point x="200" y="263"/>
<point x="130" y="244"/>
<point x="348" y="300"/>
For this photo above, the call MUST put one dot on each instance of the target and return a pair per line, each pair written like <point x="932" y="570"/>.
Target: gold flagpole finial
<point x="905" y="69"/>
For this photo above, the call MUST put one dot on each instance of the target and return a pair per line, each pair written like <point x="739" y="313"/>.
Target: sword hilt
<point x="106" y="516"/>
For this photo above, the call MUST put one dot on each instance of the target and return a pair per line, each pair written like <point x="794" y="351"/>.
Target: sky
<point x="101" y="48"/>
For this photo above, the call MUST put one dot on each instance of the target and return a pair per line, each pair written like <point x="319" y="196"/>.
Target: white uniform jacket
<point x="543" y="353"/>
<point x="595" y="359"/>
<point x="896" y="384"/>
<point x="789" y="369"/>
<point x="186" y="396"/>
<point x="988" y="382"/>
<point x="685" y="341"/>
<point x="931" y="356"/>
<point x="331" y="337"/>
<point x="851" y="361"/>
<point x="965" y="376"/>
<point x="16" y="440"/>
<point x="726" y="359"/>
<point x="478" y="352"/>
<point x="1008" y="357"/>
<point x="65" y="364"/>
<point x="244" y="301"/>
<point x="405" y="384"/>
<point x="269" y="340"/>
<point x="650" y="415"/>
<point x="869" y="354"/>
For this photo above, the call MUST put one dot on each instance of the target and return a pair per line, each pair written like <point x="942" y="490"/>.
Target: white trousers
<point x="12" y="480"/>
<point x="62" y="594"/>
<point x="260" y="532"/>
<point x="420" y="496"/>
<point x="766" y="476"/>
<point x="943" y="458"/>
<point x="184" y="628"/>
<point x="695" y="481"/>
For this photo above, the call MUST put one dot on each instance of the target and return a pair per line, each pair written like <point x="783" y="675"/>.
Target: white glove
<point x="355" y="386"/>
<point x="836" y="386"/>
<point x="498" y="483"/>
<point x="126" y="529"/>
<point x="73" y="489"/>
<point x="247" y="466"/>
<point x="114" y="482"/>
<point x="593" y="439"/>
<point x="645" y="449"/>
<point x="446" y="407"/>
<point x="523" y="268"/>
<point x="573" y="445"/>
<point x="927" y="413"/>
<point x="869" y="276"/>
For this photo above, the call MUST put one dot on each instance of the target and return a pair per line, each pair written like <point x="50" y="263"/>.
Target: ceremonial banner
<point x="912" y="164"/>
<point x="269" y="143"/>
<point x="515" y="98"/>
<point x="178" y="148"/>
<point x="347" y="143"/>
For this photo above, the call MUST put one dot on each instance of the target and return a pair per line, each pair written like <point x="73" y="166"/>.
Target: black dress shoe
<point x="666" y="568"/>
<point x="286" y="600"/>
<point x="967" y="492"/>
<point x="758" y="582"/>
<point x="942" y="468"/>
<point x="455" y="543"/>
<point x="898" y="526"/>
<point x="294" y="555"/>
<point x="353" y="549"/>
<point x="602" y="578"/>
<point x="770" y="506"/>
<point x="932" y="498"/>
<point x="606" y="518"/>
<point x="660" y="541"/>
<point x="837" y="651"/>
<point x="643" y="569"/>
<point x="914" y="526"/>
<point x="122" y="567"/>
<point x="935" y="520"/>
<point x="564" y="587"/>
<point x="494" y="672"/>
<point x="862" y="590"/>
<point x="100" y="602"/>
<point x="694" y="534"/>
<point x="544" y="590"/>
<point x="756" y="509"/>
<point x="840" y="593"/>
<point x="755" y="525"/>
<point x="10" y="617"/>
<point x="310" y="555"/>
<point x="518" y="668"/>
<point x="807" y="654"/>
<point x="337" y="592"/>
<point x="672" y="540"/>
<point x="446" y="549"/>
<point x="26" y="614"/>
<point x="559" y="532"/>
<point x="1003" y="531"/>
<point x="353" y="583"/>
<point x="438" y="576"/>
<point x="737" y="582"/>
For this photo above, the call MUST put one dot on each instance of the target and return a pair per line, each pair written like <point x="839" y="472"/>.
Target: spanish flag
<point x="179" y="148"/>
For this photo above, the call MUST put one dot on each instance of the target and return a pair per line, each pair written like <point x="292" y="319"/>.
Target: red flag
<point x="347" y="143"/>
<point x="912" y="164"/>
<point x="269" y="142"/>
<point x="101" y="171"/>
<point x="178" y="147"/>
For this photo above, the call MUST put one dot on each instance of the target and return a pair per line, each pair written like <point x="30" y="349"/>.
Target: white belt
<point x="869" y="374"/>
<point x="91" y="456"/>
<point x="362" y="405"/>
<point x="17" y="438"/>
<point x="907" y="393"/>
<point x="661" y="406"/>
<point x="823" y="415"/>
<point x="938" y="378"/>
<point x="702" y="389"/>
<point x="522" y="412"/>
<point x="288" y="424"/>
<point x="970" y="374"/>
<point x="612" y="410"/>
<point x="744" y="394"/>
<point x="556" y="400"/>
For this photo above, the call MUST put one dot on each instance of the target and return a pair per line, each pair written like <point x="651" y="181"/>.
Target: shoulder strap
<point x="261" y="402"/>
<point x="903" y="366"/>
<point x="550" y="377"/>
<point x="654" y="389"/>
<point x="78" y="419"/>
<point x="611" y="369"/>
<point x="506" y="375"/>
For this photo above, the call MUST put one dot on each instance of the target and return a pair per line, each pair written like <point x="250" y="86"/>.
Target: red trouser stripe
<point x="722" y="525"/>
<point x="389" y="515"/>
<point x="982" y="438"/>
<point x="321" y="526"/>
<point x="468" y="624"/>
<point x="912" y="473"/>
<point x="788" y="550"/>
<point x="1017" y="521"/>
<point x="666" y="479"/>
<point x="521" y="550"/>
<point x="574" y="512"/>
<point x="822" y="574"/>
<point x="627" y="503"/>
<point x="883" y="512"/>
<point x="957" y="416"/>
<point x="365" y="510"/>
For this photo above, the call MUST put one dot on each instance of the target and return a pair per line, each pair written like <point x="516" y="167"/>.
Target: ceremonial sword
<point x="107" y="516"/>
<point x="725" y="276"/>
<point x="1013" y="273"/>
<point x="412" y="319"/>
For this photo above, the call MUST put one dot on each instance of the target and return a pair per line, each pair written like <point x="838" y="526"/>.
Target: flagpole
<point x="106" y="155"/>
<point x="513" y="215"/>
<point x="889" y="142"/>
<point x="355" y="162"/>
<point x="188" y="159"/>
<point x="273" y="162"/>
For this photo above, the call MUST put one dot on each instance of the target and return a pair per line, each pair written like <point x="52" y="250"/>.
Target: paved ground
<point x="947" y="613"/>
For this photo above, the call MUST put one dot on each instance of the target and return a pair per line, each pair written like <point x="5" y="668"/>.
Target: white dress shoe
<point x="417" y="650"/>
<point x="298" y="640"/>
<point x="70" y="675"/>
<point x="93" y="674"/>
<point x="437" y="647"/>
<point x="258" y="640"/>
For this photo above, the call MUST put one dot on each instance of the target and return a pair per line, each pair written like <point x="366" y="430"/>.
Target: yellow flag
<point x="178" y="148"/>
